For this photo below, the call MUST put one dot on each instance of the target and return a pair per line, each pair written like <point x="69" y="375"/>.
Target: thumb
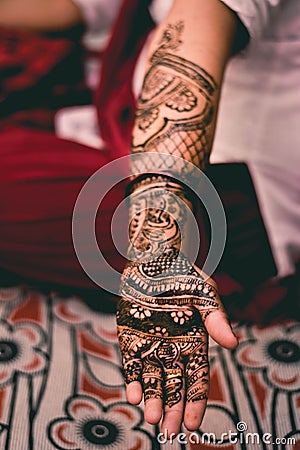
<point x="219" y="328"/>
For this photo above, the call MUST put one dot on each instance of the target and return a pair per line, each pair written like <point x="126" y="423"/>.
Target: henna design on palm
<point x="165" y="300"/>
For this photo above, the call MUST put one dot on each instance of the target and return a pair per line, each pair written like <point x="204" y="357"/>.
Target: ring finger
<point x="153" y="393"/>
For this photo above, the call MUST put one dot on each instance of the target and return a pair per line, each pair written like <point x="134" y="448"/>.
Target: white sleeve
<point x="254" y="14"/>
<point x="98" y="14"/>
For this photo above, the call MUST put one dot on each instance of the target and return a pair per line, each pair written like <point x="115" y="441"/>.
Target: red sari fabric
<point x="39" y="73"/>
<point x="114" y="97"/>
<point x="39" y="185"/>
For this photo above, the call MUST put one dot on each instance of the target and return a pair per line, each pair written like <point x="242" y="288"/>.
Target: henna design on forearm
<point x="176" y="108"/>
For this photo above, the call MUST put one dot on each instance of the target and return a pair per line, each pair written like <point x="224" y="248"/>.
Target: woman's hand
<point x="162" y="328"/>
<point x="167" y="306"/>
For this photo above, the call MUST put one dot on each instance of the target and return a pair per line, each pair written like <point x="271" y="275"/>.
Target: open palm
<point x="166" y="308"/>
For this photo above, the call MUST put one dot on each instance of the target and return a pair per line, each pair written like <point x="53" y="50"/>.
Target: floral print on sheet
<point x="61" y="381"/>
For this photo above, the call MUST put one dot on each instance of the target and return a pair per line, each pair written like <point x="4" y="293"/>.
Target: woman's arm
<point x="39" y="15"/>
<point x="182" y="83"/>
<point x="166" y="300"/>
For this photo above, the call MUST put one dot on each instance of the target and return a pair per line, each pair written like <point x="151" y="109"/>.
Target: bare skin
<point x="39" y="15"/>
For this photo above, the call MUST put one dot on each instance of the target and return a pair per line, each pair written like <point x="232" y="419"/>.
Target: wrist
<point x="165" y="181"/>
<point x="160" y="211"/>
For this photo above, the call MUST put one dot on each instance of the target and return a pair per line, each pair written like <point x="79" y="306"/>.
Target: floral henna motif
<point x="184" y="100"/>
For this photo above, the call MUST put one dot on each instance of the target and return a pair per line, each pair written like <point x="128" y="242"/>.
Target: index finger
<point x="197" y="380"/>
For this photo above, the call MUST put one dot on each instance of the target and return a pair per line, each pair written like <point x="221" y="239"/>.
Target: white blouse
<point x="259" y="122"/>
<point x="99" y="16"/>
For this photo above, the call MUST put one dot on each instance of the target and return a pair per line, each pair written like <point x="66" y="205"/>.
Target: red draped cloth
<point x="39" y="73"/>
<point x="114" y="97"/>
